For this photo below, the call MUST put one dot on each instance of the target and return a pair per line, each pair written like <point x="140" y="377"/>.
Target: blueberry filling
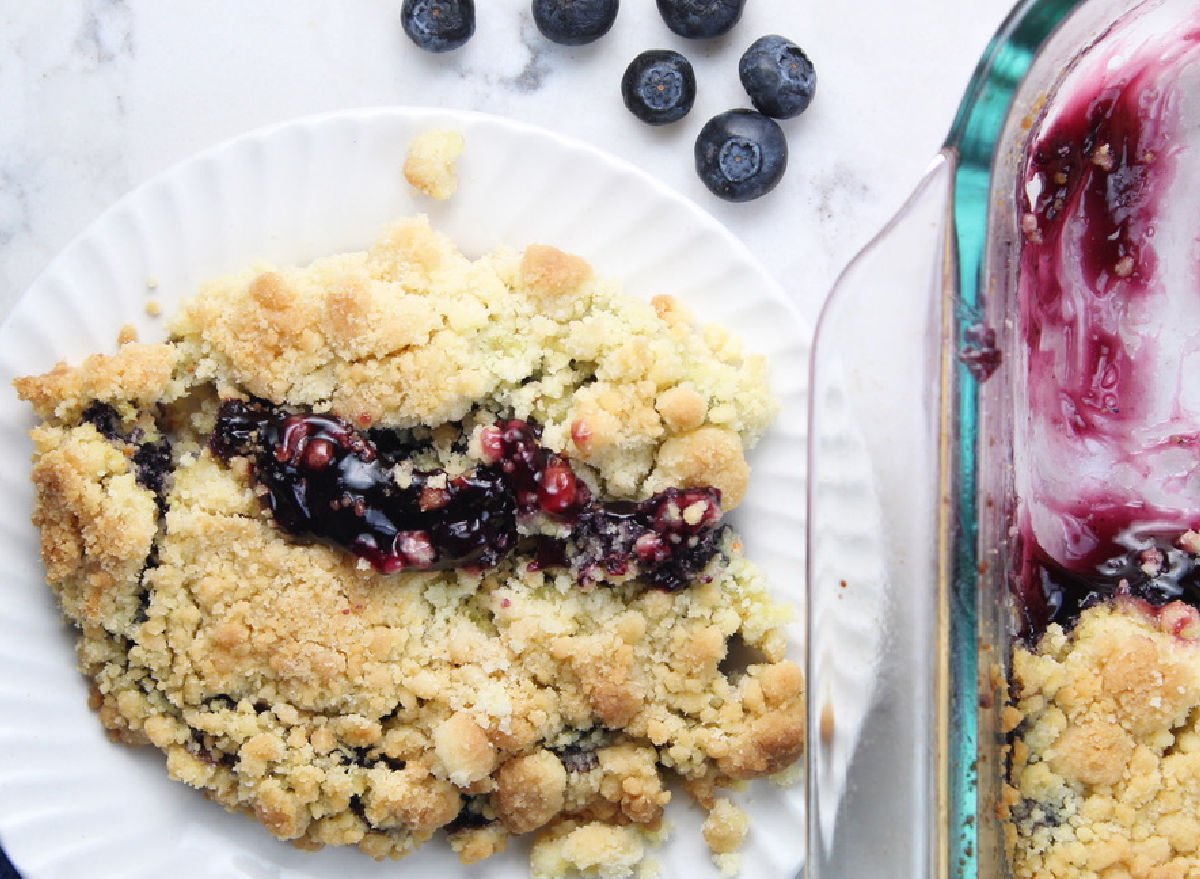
<point x="471" y="816"/>
<point x="669" y="551"/>
<point x="152" y="460"/>
<point x="143" y="609"/>
<point x="357" y="809"/>
<point x="1157" y="572"/>
<point x="979" y="351"/>
<point x="326" y="480"/>
<point x="105" y="419"/>
<point x="1095" y="186"/>
<point x="368" y="758"/>
<point x="577" y="758"/>
<point x="395" y="446"/>
<point x="220" y="702"/>
<point x="203" y="746"/>
<point x="1037" y="815"/>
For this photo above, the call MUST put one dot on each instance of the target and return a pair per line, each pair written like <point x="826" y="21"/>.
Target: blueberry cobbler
<point x="403" y="543"/>
<point x="1104" y="768"/>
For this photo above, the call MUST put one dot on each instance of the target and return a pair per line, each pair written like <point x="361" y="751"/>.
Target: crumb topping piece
<point x="430" y="164"/>
<point x="725" y="830"/>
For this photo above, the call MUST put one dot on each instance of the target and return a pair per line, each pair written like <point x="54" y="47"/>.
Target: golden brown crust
<point x="413" y="333"/>
<point x="410" y="798"/>
<point x="464" y="750"/>
<point x="478" y="844"/>
<point x="430" y="164"/>
<point x="1106" y="756"/>
<point x="96" y="524"/>
<point x="590" y="849"/>
<point x="289" y="680"/>
<point x="725" y="827"/>
<point x="682" y="408"/>
<point x="548" y="271"/>
<point x="138" y="374"/>
<point x="724" y="830"/>
<point x="530" y="791"/>
<point x="670" y="310"/>
<point x="773" y="742"/>
<point x="630" y="781"/>
<point x="708" y="456"/>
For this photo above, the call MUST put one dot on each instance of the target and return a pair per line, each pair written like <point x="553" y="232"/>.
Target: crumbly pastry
<point x="1106" y="750"/>
<point x="348" y="692"/>
<point x="725" y="830"/>
<point x="429" y="166"/>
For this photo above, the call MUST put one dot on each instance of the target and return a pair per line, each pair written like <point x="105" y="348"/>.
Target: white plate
<point x="71" y="803"/>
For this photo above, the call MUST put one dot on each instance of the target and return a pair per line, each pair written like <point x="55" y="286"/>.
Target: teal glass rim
<point x="973" y="144"/>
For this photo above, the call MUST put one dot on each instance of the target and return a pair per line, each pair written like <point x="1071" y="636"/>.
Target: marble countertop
<point x="96" y="96"/>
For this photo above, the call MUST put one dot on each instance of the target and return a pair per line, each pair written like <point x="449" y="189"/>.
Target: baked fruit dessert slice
<point x="403" y="542"/>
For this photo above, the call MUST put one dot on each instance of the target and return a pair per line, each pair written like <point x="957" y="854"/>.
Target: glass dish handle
<point x="876" y="651"/>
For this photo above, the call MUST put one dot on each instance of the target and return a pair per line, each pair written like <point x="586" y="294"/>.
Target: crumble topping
<point x="725" y="830"/>
<point x="429" y="166"/>
<point x="1106" y="749"/>
<point x="412" y="333"/>
<point x="340" y="704"/>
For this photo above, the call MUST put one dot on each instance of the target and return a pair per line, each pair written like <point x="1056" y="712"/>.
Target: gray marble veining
<point x="98" y="95"/>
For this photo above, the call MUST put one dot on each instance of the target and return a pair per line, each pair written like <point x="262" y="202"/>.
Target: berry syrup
<point x="322" y="478"/>
<point x="1108" y="416"/>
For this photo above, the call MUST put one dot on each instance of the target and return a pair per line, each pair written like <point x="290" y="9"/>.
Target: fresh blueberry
<point x="438" y="25"/>
<point x="698" y="19"/>
<point x="741" y="154"/>
<point x="574" y="22"/>
<point x="778" y="77"/>
<point x="659" y="86"/>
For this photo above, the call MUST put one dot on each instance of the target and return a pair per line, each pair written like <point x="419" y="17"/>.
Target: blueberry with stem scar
<point x="741" y="155"/>
<point x="659" y="86"/>
<point x="778" y="77"/>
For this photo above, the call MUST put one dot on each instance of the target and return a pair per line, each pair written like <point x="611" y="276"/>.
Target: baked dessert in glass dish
<point x="1102" y="688"/>
<point x="1106" y="681"/>
<point x="1034" y="679"/>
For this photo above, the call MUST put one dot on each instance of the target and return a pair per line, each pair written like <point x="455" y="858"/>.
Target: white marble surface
<point x="98" y="95"/>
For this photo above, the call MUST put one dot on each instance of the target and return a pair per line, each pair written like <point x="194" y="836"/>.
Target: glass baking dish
<point x="911" y="496"/>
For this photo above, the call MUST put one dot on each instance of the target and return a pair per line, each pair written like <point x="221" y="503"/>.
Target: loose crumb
<point x="725" y="830"/>
<point x="430" y="165"/>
